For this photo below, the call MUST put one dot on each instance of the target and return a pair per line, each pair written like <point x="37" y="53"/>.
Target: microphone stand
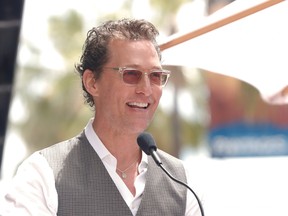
<point x="182" y="183"/>
<point x="147" y="144"/>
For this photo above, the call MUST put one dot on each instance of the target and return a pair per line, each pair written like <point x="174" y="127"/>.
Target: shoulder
<point x="58" y="154"/>
<point x="32" y="188"/>
<point x="173" y="164"/>
<point x="35" y="161"/>
<point x="170" y="158"/>
<point x="64" y="146"/>
<point x="59" y="151"/>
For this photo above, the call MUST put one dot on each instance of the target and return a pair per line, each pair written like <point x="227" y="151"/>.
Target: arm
<point x="32" y="191"/>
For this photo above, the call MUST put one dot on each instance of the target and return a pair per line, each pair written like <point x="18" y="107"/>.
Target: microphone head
<point x="146" y="142"/>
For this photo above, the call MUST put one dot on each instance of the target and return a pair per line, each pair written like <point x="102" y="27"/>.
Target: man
<point x="102" y="171"/>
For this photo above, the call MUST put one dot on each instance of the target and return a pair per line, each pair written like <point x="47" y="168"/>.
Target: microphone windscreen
<point x="146" y="142"/>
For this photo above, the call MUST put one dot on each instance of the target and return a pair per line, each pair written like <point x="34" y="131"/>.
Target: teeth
<point x="142" y="105"/>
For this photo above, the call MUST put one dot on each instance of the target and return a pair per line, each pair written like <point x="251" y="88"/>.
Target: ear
<point x="90" y="82"/>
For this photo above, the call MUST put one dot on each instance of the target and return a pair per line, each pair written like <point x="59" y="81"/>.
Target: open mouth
<point x="138" y="105"/>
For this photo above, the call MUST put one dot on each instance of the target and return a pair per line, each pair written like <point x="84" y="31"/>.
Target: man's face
<point x="123" y="107"/>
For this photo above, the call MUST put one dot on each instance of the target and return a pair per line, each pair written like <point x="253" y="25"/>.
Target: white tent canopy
<point x="247" y="40"/>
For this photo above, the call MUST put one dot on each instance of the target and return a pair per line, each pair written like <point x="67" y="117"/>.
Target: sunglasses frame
<point x="121" y="70"/>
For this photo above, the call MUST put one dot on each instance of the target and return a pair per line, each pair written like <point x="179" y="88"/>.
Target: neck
<point x="118" y="143"/>
<point x="124" y="147"/>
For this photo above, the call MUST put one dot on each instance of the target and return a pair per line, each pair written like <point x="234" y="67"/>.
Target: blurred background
<point x="234" y="143"/>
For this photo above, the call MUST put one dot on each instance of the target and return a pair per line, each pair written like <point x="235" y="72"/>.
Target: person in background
<point x="102" y="171"/>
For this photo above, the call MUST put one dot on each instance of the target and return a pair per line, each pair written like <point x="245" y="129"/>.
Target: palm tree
<point x="182" y="130"/>
<point x="49" y="117"/>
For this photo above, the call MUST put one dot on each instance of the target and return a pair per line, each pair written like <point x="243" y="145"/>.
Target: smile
<point x="138" y="105"/>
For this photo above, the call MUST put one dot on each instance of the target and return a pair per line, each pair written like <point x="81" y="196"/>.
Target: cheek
<point x="111" y="94"/>
<point x="157" y="96"/>
<point x="158" y="93"/>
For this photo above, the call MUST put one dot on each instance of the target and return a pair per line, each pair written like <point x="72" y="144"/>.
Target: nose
<point x="144" y="85"/>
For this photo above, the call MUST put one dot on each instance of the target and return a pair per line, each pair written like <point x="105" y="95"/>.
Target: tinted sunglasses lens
<point x="131" y="76"/>
<point x="155" y="78"/>
<point x="158" y="78"/>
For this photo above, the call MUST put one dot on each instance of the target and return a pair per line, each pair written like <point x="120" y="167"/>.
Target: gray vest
<point x="85" y="187"/>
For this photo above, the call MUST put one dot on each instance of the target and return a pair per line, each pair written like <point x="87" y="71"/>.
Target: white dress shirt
<point x="32" y="191"/>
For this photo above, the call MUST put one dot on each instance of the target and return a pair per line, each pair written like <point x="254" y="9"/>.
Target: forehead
<point x="133" y="52"/>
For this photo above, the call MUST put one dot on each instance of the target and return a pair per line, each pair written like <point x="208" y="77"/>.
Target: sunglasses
<point x="133" y="76"/>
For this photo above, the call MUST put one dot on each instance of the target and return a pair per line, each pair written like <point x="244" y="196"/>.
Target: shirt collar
<point x="102" y="151"/>
<point x="95" y="141"/>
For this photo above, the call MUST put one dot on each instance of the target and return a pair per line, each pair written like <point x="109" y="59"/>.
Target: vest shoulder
<point x="164" y="155"/>
<point x="64" y="146"/>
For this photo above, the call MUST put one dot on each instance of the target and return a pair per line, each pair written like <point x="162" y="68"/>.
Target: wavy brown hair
<point x="95" y="50"/>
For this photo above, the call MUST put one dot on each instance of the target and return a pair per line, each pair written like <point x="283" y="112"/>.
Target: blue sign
<point x="248" y="140"/>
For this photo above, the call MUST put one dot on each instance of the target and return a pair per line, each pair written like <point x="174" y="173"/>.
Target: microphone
<point x="147" y="143"/>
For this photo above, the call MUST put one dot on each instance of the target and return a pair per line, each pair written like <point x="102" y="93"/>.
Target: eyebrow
<point x="140" y="68"/>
